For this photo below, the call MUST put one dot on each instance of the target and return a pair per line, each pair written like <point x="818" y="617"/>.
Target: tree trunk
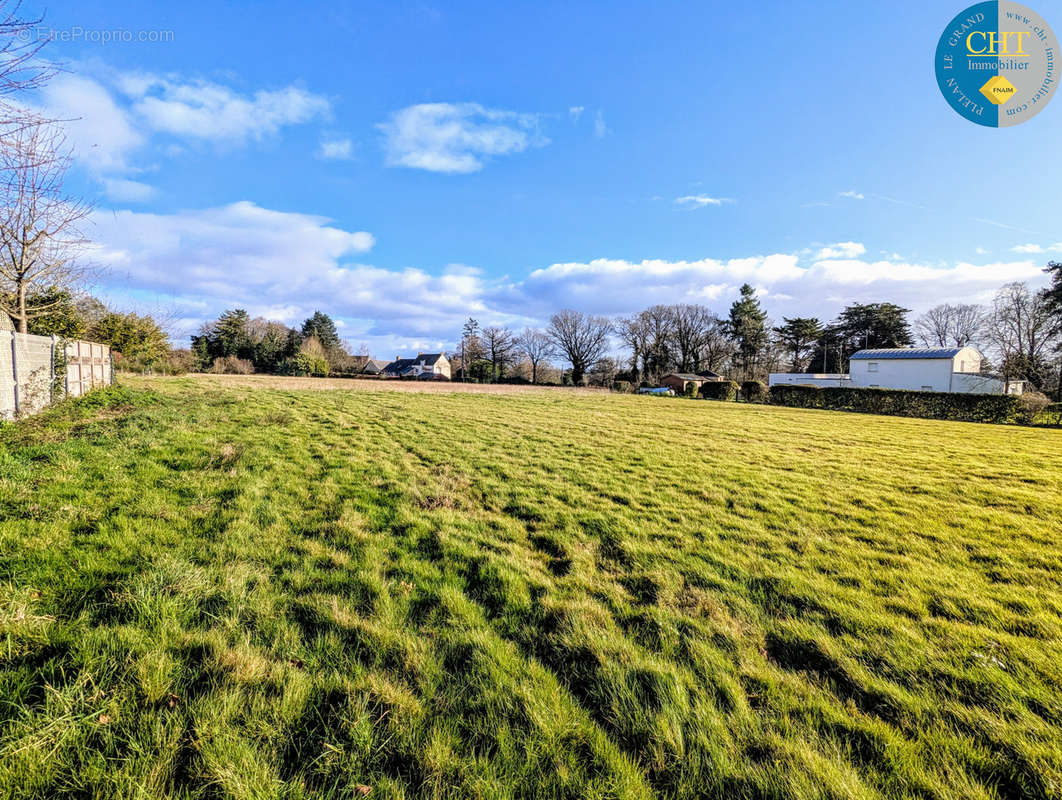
<point x="23" y="318"/>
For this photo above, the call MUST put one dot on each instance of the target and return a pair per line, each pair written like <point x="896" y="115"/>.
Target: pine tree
<point x="748" y="327"/>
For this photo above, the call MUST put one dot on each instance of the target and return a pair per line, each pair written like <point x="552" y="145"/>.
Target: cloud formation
<point x="286" y="265"/>
<point x="337" y="149"/>
<point x="841" y="250"/>
<point x="456" y="137"/>
<point x="701" y="201"/>
<point x="1035" y="248"/>
<point x="113" y="117"/>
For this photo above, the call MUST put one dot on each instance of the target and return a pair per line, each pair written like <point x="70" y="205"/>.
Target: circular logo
<point x="998" y="63"/>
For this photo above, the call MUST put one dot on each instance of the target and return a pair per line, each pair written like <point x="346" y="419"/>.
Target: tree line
<point x="1020" y="332"/>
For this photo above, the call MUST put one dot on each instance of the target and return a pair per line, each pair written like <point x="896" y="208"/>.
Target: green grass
<point x="211" y="591"/>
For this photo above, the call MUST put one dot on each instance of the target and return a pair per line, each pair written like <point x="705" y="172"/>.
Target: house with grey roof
<point x="425" y="366"/>
<point x="926" y="369"/>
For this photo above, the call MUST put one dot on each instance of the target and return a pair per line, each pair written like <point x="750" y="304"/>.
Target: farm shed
<point x="678" y="381"/>
<point x="929" y="369"/>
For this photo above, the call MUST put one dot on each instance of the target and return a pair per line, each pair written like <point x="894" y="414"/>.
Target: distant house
<point x="373" y="366"/>
<point x="435" y="365"/>
<point x="678" y="381"/>
<point x="927" y="369"/>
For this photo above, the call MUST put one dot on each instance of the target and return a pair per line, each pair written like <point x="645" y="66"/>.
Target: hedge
<point x="754" y="392"/>
<point x="719" y="390"/>
<point x="997" y="408"/>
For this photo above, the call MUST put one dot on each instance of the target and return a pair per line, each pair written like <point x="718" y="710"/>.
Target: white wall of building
<point x="925" y="374"/>
<point x="958" y="374"/>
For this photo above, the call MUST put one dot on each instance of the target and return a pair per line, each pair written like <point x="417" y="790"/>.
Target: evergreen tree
<point x="748" y="327"/>
<point x="798" y="338"/>
<point x="321" y="327"/>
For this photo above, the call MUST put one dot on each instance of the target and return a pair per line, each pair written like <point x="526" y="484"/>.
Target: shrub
<point x="304" y="365"/>
<point x="754" y="392"/>
<point x="719" y="390"/>
<point x="622" y="386"/>
<point x="230" y="365"/>
<point x="997" y="408"/>
<point x="1051" y="415"/>
<point x="1032" y="403"/>
<point x="690" y="390"/>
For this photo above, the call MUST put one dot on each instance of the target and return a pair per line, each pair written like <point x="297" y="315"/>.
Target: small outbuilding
<point x="679" y="381"/>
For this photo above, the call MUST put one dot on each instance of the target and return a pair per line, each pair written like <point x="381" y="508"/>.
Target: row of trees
<point x="1021" y="332"/>
<point x="236" y="342"/>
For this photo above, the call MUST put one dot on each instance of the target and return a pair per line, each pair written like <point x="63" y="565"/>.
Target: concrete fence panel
<point x="29" y="366"/>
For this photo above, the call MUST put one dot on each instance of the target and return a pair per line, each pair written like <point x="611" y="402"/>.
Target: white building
<point x="927" y="369"/>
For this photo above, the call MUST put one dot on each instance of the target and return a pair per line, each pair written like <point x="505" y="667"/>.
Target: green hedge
<point x="754" y="392"/>
<point x="996" y="408"/>
<point x="719" y="390"/>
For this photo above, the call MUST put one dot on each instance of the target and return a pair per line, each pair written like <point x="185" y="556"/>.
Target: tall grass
<point x="225" y="591"/>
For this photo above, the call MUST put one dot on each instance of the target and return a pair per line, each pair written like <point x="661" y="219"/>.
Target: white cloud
<point x="854" y="195"/>
<point x="841" y="250"/>
<point x="1035" y="248"/>
<point x="123" y="190"/>
<point x="574" y="112"/>
<point x="111" y="119"/>
<point x="198" y="109"/>
<point x="701" y="201"/>
<point x="339" y="149"/>
<point x="285" y="265"/>
<point x="100" y="131"/>
<point x="456" y="137"/>
<point x="600" y="129"/>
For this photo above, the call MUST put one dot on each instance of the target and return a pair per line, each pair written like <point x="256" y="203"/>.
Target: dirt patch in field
<point x="369" y="385"/>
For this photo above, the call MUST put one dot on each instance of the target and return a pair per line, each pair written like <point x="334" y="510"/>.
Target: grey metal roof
<point x="908" y="352"/>
<point x="685" y="376"/>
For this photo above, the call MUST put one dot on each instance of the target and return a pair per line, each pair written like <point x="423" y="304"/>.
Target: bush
<point x="996" y="408"/>
<point x="230" y="365"/>
<point x="719" y="390"/>
<point x="690" y="390"/>
<point x="622" y="386"/>
<point x="304" y="365"/>
<point x="1032" y="403"/>
<point x="754" y="392"/>
<point x="1051" y="415"/>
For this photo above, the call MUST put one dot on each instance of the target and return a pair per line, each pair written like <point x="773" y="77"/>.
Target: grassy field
<point x="217" y="588"/>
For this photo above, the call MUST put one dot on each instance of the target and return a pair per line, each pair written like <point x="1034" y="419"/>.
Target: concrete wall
<point x="29" y="364"/>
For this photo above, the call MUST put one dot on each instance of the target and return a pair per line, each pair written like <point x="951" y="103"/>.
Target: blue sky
<point x="403" y="165"/>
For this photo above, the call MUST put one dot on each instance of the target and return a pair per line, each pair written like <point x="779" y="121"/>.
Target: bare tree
<point x="717" y="348"/>
<point x="41" y="243"/>
<point x="660" y="329"/>
<point x="21" y="68"/>
<point x="500" y="346"/>
<point x="536" y="347"/>
<point x="1021" y="329"/>
<point x="582" y="338"/>
<point x="690" y="324"/>
<point x="950" y="325"/>
<point x="634" y="332"/>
